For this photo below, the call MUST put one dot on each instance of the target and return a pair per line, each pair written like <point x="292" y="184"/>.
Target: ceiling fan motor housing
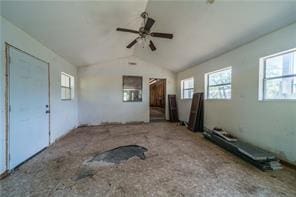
<point x="143" y="32"/>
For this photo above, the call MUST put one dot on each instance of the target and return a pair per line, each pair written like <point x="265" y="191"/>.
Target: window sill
<point x="132" y="101"/>
<point x="217" y="99"/>
<point x="277" y="100"/>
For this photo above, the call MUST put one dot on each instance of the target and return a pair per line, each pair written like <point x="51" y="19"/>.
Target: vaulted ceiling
<point x="203" y="31"/>
<point x="84" y="32"/>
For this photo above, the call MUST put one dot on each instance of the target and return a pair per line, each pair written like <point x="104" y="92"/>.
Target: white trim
<point x="71" y="86"/>
<point x="278" y="53"/>
<point x="182" y="87"/>
<point x="206" y="87"/>
<point x="216" y="71"/>
<point x="261" y="90"/>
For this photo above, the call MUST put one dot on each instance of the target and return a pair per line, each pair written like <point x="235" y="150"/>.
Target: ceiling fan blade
<point x="132" y="43"/>
<point x="127" y="30"/>
<point x="161" y="35"/>
<point x="152" y="46"/>
<point x="149" y="24"/>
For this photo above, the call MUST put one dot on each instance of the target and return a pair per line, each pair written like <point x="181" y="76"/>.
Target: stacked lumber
<point x="260" y="158"/>
<point x="173" y="110"/>
<point x="196" y="117"/>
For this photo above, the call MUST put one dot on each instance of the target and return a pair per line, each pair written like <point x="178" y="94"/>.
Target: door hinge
<point x="9" y="108"/>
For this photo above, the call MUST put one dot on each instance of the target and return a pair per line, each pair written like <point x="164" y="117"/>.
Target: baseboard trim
<point x="288" y="164"/>
<point x="4" y="174"/>
<point x="8" y="172"/>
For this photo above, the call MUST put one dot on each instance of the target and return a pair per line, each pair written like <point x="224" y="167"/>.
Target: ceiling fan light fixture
<point x="144" y="32"/>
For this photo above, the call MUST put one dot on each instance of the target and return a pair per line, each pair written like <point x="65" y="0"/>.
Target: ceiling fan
<point x="144" y="32"/>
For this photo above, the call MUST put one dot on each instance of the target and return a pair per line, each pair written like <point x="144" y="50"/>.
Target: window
<point x="67" y="86"/>
<point x="278" y="76"/>
<point x="132" y="89"/>
<point x="187" y="88"/>
<point x="218" y="84"/>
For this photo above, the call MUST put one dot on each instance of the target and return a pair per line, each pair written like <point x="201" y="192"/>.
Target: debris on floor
<point x="262" y="159"/>
<point x="178" y="163"/>
<point x="121" y="153"/>
<point x="224" y="134"/>
<point x="157" y="114"/>
<point x="84" y="173"/>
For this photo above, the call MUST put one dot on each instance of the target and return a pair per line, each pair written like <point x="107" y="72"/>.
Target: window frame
<point x="207" y="86"/>
<point x="263" y="78"/>
<point x="183" y="89"/>
<point x="123" y="89"/>
<point x="70" y="88"/>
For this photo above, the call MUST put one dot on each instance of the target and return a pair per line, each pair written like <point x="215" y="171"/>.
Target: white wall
<point x="100" y="91"/>
<point x="267" y="124"/>
<point x="63" y="115"/>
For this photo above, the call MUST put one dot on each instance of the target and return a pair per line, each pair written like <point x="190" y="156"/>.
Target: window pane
<point x="188" y="94"/>
<point x="67" y="86"/>
<point x="187" y="88"/>
<point x="219" y="92"/>
<point x="132" y="95"/>
<point x="62" y="93"/>
<point x="132" y="82"/>
<point x="283" y="88"/>
<point x="220" y="77"/>
<point x="188" y="83"/>
<point x="65" y="80"/>
<point x="65" y="93"/>
<point x="281" y="65"/>
<point x="132" y="88"/>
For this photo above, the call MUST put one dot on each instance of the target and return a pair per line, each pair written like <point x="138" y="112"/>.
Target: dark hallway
<point x="157" y="99"/>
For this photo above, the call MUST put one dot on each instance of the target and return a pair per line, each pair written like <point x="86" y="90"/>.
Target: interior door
<point x="29" y="106"/>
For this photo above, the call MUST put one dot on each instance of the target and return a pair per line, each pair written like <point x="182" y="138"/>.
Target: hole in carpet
<point x="110" y="157"/>
<point x="121" y="153"/>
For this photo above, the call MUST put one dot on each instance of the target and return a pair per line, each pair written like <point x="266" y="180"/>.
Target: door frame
<point x="165" y="96"/>
<point x="7" y="100"/>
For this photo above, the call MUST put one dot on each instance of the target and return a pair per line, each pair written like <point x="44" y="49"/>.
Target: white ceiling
<point x="203" y="31"/>
<point x="84" y="32"/>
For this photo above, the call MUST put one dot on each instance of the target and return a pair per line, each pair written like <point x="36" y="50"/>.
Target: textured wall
<point x="63" y="113"/>
<point x="100" y="91"/>
<point x="267" y="124"/>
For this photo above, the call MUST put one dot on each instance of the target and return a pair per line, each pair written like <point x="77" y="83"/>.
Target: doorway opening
<point x="157" y="99"/>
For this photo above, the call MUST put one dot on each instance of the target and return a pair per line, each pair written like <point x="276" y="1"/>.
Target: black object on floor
<point x="173" y="110"/>
<point x="260" y="158"/>
<point x="120" y="153"/>
<point x="196" y="116"/>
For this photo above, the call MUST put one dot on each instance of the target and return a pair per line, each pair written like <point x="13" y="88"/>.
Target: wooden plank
<point x="196" y="113"/>
<point x="173" y="110"/>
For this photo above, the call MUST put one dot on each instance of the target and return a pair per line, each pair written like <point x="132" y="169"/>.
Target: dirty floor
<point x="157" y="113"/>
<point x="178" y="163"/>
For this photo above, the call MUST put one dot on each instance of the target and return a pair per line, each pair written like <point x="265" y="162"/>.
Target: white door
<point x="29" y="102"/>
